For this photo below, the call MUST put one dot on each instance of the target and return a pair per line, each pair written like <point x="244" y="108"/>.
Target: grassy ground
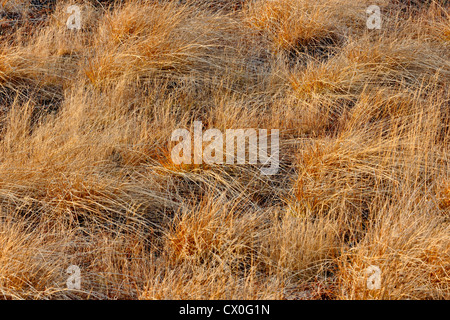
<point x="86" y="176"/>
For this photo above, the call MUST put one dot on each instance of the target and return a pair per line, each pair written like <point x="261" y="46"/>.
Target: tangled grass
<point x="86" y="176"/>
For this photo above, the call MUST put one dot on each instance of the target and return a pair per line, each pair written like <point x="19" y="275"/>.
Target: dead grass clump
<point x="215" y="232"/>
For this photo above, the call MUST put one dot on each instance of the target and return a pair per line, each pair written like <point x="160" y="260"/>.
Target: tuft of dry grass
<point x="87" y="179"/>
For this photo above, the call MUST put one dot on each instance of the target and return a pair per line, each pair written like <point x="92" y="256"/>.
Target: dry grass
<point x="86" y="176"/>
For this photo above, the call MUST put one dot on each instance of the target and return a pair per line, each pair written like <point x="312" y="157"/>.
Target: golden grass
<point x="86" y="176"/>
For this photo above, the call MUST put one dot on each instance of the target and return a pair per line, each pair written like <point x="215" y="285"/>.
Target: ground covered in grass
<point x="87" y="179"/>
